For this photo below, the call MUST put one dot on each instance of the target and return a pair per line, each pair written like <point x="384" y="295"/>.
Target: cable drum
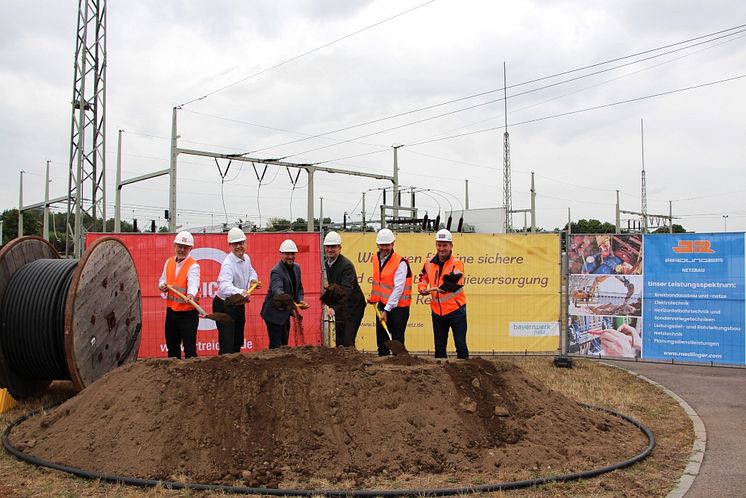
<point x="33" y="318"/>
<point x="63" y="319"/>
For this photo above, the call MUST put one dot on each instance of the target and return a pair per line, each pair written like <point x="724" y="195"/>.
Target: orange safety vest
<point x="179" y="282"/>
<point x="383" y="281"/>
<point x="443" y="303"/>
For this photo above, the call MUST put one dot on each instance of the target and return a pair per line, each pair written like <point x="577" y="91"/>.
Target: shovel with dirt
<point x="395" y="346"/>
<point x="285" y="302"/>
<point x="334" y="295"/>
<point x="223" y="318"/>
<point x="450" y="283"/>
<point x="239" y="299"/>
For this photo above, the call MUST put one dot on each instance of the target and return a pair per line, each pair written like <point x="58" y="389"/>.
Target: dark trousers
<point x="396" y="320"/>
<point x="230" y="337"/>
<point x="347" y="324"/>
<point x="455" y="321"/>
<point x="181" y="326"/>
<point x="278" y="334"/>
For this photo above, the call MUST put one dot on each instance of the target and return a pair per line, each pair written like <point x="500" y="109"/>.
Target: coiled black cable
<point x="32" y="314"/>
<point x="359" y="493"/>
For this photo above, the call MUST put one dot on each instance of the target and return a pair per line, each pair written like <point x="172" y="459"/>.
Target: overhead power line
<point x="708" y="38"/>
<point x="569" y="113"/>
<point x="306" y="53"/>
<point x="587" y="109"/>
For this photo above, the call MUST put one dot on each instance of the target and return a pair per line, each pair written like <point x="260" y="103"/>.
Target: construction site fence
<point x="593" y="295"/>
<point x="657" y="297"/>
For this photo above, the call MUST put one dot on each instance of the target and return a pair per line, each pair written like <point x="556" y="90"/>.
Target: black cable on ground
<point x="486" y="488"/>
<point x="32" y="315"/>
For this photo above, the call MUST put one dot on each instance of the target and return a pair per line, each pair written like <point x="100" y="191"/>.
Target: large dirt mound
<point x="317" y="417"/>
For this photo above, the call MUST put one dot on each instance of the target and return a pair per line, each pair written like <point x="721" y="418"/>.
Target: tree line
<point x="33" y="223"/>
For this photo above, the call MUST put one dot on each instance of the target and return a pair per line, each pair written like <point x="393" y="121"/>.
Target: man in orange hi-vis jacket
<point x="182" y="273"/>
<point x="391" y="291"/>
<point x="443" y="279"/>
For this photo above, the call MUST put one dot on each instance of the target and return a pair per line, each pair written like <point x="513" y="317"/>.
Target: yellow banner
<point x="512" y="286"/>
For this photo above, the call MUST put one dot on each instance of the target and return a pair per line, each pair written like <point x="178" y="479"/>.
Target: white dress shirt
<point x="235" y="275"/>
<point x="400" y="278"/>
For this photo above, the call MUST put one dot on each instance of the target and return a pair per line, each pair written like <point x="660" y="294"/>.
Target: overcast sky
<point x="167" y="53"/>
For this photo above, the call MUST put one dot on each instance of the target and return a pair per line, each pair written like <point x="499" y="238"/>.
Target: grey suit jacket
<point x="280" y="283"/>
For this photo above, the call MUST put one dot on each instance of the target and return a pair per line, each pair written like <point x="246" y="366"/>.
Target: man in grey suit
<point x="285" y="289"/>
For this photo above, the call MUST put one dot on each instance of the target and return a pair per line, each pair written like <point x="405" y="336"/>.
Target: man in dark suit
<point x="285" y="290"/>
<point x="349" y="311"/>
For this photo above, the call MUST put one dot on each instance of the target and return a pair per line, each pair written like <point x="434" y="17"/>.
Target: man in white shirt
<point x="236" y="275"/>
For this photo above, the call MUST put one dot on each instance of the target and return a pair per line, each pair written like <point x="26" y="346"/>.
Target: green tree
<point x="300" y="225"/>
<point x="278" y="225"/>
<point x="591" y="226"/>
<point x="32" y="223"/>
<point x="676" y="229"/>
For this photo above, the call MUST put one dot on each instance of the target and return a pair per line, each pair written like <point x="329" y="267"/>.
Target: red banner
<point x="150" y="252"/>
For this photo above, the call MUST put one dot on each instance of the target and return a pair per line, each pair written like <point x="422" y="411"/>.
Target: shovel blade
<point x="397" y="348"/>
<point x="236" y="300"/>
<point x="223" y="318"/>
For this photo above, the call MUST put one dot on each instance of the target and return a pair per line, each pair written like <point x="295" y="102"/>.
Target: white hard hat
<point x="332" y="239"/>
<point x="235" y="234"/>
<point x="184" y="238"/>
<point x="288" y="246"/>
<point x="385" y="236"/>
<point x="443" y="235"/>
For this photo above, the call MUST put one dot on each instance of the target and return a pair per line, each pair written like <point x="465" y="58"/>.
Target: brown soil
<point x="317" y="417"/>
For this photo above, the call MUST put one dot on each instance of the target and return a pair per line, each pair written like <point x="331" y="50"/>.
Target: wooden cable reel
<point x="99" y="306"/>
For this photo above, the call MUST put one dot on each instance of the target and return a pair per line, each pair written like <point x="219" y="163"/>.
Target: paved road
<point x="718" y="395"/>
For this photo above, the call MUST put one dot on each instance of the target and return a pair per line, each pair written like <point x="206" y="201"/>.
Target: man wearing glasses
<point x="236" y="275"/>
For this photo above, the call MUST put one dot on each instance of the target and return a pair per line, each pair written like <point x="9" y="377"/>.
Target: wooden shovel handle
<point x="380" y="318"/>
<point x="190" y="301"/>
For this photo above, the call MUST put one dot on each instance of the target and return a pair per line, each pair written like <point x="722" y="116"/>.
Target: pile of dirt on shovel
<point x="318" y="417"/>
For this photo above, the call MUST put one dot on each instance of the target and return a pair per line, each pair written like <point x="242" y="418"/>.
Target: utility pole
<point x="618" y="214"/>
<point x="532" y="209"/>
<point x="310" y="170"/>
<point x="507" y="190"/>
<point x="321" y="213"/>
<point x="644" y="195"/>
<point x="364" y="212"/>
<point x="45" y="230"/>
<point x="118" y="188"/>
<point x="172" y="175"/>
<point x="87" y="172"/>
<point x="20" y="206"/>
<point x="670" y="217"/>
<point x="466" y="194"/>
<point x="397" y="202"/>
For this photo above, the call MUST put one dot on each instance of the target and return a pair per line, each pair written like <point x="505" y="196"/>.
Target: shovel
<point x="240" y="299"/>
<point x="330" y="330"/>
<point x="298" y="326"/>
<point x="395" y="346"/>
<point x="223" y="318"/>
<point x="285" y="302"/>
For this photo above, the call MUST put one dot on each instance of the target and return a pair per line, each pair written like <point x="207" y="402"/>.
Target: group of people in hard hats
<point x="391" y="293"/>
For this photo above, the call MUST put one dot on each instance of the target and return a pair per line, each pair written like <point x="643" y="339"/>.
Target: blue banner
<point x="693" y="298"/>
